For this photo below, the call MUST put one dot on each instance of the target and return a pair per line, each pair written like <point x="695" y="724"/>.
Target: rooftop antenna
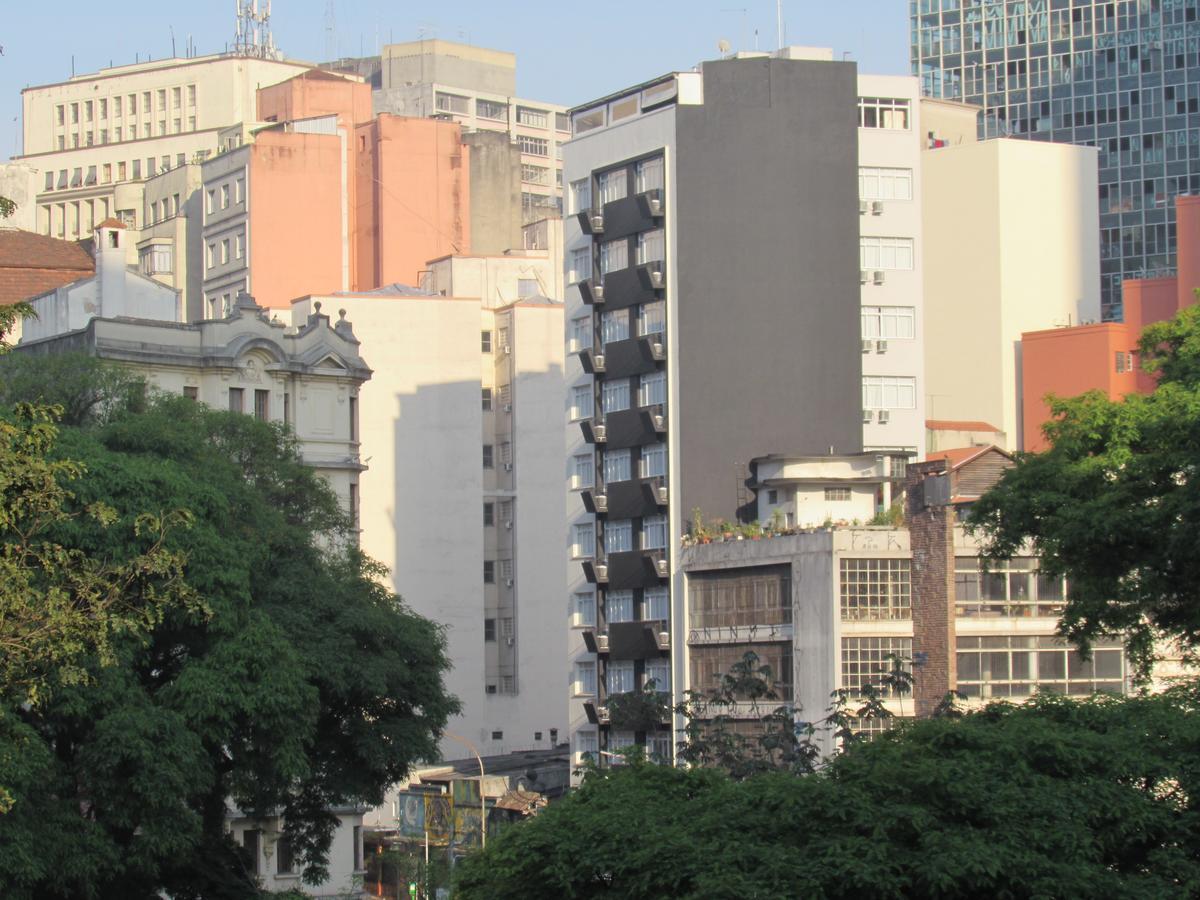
<point x="330" y="31"/>
<point x="252" y="36"/>
<point x="740" y="9"/>
<point x="779" y="22"/>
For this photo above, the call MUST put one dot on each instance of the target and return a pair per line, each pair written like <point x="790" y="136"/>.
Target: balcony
<point x="591" y="221"/>
<point x="633" y="427"/>
<point x="630" y="215"/>
<point x="625" y="287"/>
<point x="638" y="640"/>
<point x="592" y="291"/>
<point x="593" y="361"/>
<point x="633" y="356"/>
<point x="595" y="642"/>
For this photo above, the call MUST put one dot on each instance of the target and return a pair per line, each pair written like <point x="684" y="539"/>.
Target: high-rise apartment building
<point x="96" y="138"/>
<point x="713" y="317"/>
<point x="1122" y="77"/>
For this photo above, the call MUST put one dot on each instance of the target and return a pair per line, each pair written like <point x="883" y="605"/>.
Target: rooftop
<point x="27" y="250"/>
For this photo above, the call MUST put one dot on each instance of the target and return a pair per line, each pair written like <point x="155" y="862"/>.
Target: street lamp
<point x="482" y="799"/>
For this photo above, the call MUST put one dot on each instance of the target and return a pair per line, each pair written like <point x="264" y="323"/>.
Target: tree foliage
<point x="300" y="685"/>
<point x="1114" y="505"/>
<point x="1057" y="798"/>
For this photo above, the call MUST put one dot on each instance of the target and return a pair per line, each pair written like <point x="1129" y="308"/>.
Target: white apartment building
<point x="891" y="270"/>
<point x="171" y="246"/>
<point x="476" y="87"/>
<point x="96" y="138"/>
<point x="461" y="422"/>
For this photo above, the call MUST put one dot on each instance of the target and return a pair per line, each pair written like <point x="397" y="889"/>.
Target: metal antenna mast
<point x="253" y="34"/>
<point x="331" y="48"/>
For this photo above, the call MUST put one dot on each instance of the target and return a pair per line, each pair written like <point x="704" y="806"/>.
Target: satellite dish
<point x="723" y="47"/>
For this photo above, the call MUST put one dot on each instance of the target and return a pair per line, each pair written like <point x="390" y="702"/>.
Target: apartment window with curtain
<point x="585" y="609"/>
<point x="581" y="264"/>
<point x="616" y="466"/>
<point x="614" y="325"/>
<point x="262" y="406"/>
<point x="655" y="603"/>
<point x="585" y="680"/>
<point x="887" y="392"/>
<point x="650" y="175"/>
<point x="654" y="461"/>
<point x="618" y="606"/>
<point x="581" y="333"/>
<point x="619" y="677"/>
<point x="652" y="318"/>
<point x="614" y="255"/>
<point x="581" y="402"/>
<point x="618" y="537"/>
<point x="615" y="395"/>
<point x="583" y="471"/>
<point x="581" y="195"/>
<point x="583" y="540"/>
<point x="612" y="186"/>
<point x="659" y="672"/>
<point x="885" y="253"/>
<point x="654" y="533"/>
<point x="651" y="247"/>
<point x="889" y="322"/>
<point x="490" y="109"/>
<point x="237" y="401"/>
<point x="653" y="389"/>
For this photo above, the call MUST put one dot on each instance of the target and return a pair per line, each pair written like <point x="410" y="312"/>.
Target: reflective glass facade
<point x="1123" y="77"/>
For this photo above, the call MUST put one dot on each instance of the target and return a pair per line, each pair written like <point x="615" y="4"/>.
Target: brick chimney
<point x="931" y="532"/>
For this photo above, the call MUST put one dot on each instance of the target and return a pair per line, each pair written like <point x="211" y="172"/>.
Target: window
<point x="875" y="590"/>
<point x="618" y="538"/>
<point x="485" y="341"/>
<point x="211" y="200"/>
<point x="225" y="194"/>
<point x="655" y="603"/>
<point x="489" y="515"/>
<point x="239" y="242"/>
<point x="250" y="854"/>
<point x="837" y="494"/>
<point x="889" y="322"/>
<point x="508" y="685"/>
<point x="773" y="497"/>
<point x="652" y="390"/>
<point x="657" y="671"/>
<point x="583" y="469"/>
<point x="191" y="95"/>
<point x="865" y="659"/>
<point x="236" y="400"/>
<point x="884" y="184"/>
<point x="618" y="606"/>
<point x="614" y="326"/>
<point x="490" y="109"/>
<point x="1124" y="362"/>
<point x="583" y="540"/>
<point x="239" y="190"/>
<point x="1016" y="665"/>
<point x="561" y="122"/>
<point x="612" y="186"/>
<point x="581" y="333"/>
<point x="527" y="287"/>
<point x="534" y="146"/>
<point x="883" y="112"/>
<point x="614" y="395"/>
<point x="581" y="264"/>
<point x="489" y="460"/>
<point x="60" y="114"/>
<point x="452" y="103"/>
<point x="489" y="571"/>
<point x="489" y="629"/>
<point x="191" y="392"/>
<point x="581" y="195"/>
<point x="535" y="174"/>
<point x="649" y="175"/>
<point x="651" y="247"/>
<point x="584" y="607"/>
<point x="654" y="533"/>
<point x="212" y="255"/>
<point x="285" y="857"/>
<point x="162" y="99"/>
<point x="619" y="677"/>
<point x="886" y="253"/>
<point x="885" y="392"/>
<point x="654" y="461"/>
<point x="616" y="466"/>
<point x="589" y="119"/>
<point x="585" y="680"/>
<point x="534" y="118"/>
<point x="225" y="252"/>
<point x="581" y="402"/>
<point x="652" y="318"/>
<point x="1014" y="587"/>
<point x="353" y="412"/>
<point x="487" y="399"/>
<point x="614" y="255"/>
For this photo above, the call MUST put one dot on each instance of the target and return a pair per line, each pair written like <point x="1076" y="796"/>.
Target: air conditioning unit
<point x="602" y="643"/>
<point x="597" y="291"/>
<point x="506" y="349"/>
<point x="660" y="422"/>
<point x="866" y="346"/>
<point x="884" y="416"/>
<point x="863" y="276"/>
<point x="663" y="567"/>
<point x="598" y="362"/>
<point x="508" y="467"/>
<point x="601" y="502"/>
<point x="508" y="582"/>
<point x="877" y="277"/>
<point x="508" y="525"/>
<point x="596" y="220"/>
<point x="862" y="207"/>
<point x="658" y="279"/>
<point x="658" y="350"/>
<point x="868" y="416"/>
<point x="877" y="208"/>
<point x="508" y="407"/>
<point x="662" y="495"/>
<point x="600" y="433"/>
<point x="881" y="347"/>
<point x="510" y="641"/>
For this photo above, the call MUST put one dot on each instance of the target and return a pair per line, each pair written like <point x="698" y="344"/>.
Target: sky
<point x="567" y="52"/>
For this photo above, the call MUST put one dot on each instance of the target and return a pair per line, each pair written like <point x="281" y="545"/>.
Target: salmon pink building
<point x="1066" y="362"/>
<point x="319" y="197"/>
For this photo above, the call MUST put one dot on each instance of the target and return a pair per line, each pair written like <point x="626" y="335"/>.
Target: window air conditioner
<point x="658" y="279"/>
<point x="600" y="433"/>
<point x="508" y="582"/>
<point x="881" y="347"/>
<point x="506" y="349"/>
<point x="508" y="407"/>
<point x="862" y="207"/>
<point x="877" y="276"/>
<point x="866" y="346"/>
<point x="863" y="276"/>
<point x="508" y="525"/>
<point x="884" y="416"/>
<point x="510" y="641"/>
<point x="598" y="362"/>
<point x="877" y="208"/>
<point x="508" y="467"/>
<point x="868" y="416"/>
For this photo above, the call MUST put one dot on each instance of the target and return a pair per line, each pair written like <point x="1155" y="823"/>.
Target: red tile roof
<point x="952" y="425"/>
<point x="27" y="250"/>
<point x="111" y="223"/>
<point x="960" y="456"/>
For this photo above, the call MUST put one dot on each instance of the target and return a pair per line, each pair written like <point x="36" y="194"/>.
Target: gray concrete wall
<point x="768" y="292"/>
<point x="495" y="173"/>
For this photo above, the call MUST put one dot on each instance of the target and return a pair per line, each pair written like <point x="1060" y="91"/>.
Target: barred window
<point x="725" y="601"/>
<point x="876" y="589"/>
<point x="865" y="660"/>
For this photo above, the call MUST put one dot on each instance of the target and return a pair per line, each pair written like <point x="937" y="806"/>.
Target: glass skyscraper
<point x="1123" y="77"/>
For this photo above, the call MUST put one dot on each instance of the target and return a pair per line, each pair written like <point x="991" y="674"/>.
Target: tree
<point x="1114" y="504"/>
<point x="303" y="684"/>
<point x="1057" y="798"/>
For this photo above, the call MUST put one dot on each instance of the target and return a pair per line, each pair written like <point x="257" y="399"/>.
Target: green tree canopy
<point x="1057" y="798"/>
<point x="1114" y="505"/>
<point x="300" y="685"/>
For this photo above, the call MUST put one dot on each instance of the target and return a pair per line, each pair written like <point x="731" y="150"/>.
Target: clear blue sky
<point x="567" y="52"/>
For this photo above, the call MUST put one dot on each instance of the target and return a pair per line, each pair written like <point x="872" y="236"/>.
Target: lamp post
<point x="482" y="799"/>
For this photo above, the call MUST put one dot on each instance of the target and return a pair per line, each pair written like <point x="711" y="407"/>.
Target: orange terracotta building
<point x="326" y="198"/>
<point x="1066" y="362"/>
